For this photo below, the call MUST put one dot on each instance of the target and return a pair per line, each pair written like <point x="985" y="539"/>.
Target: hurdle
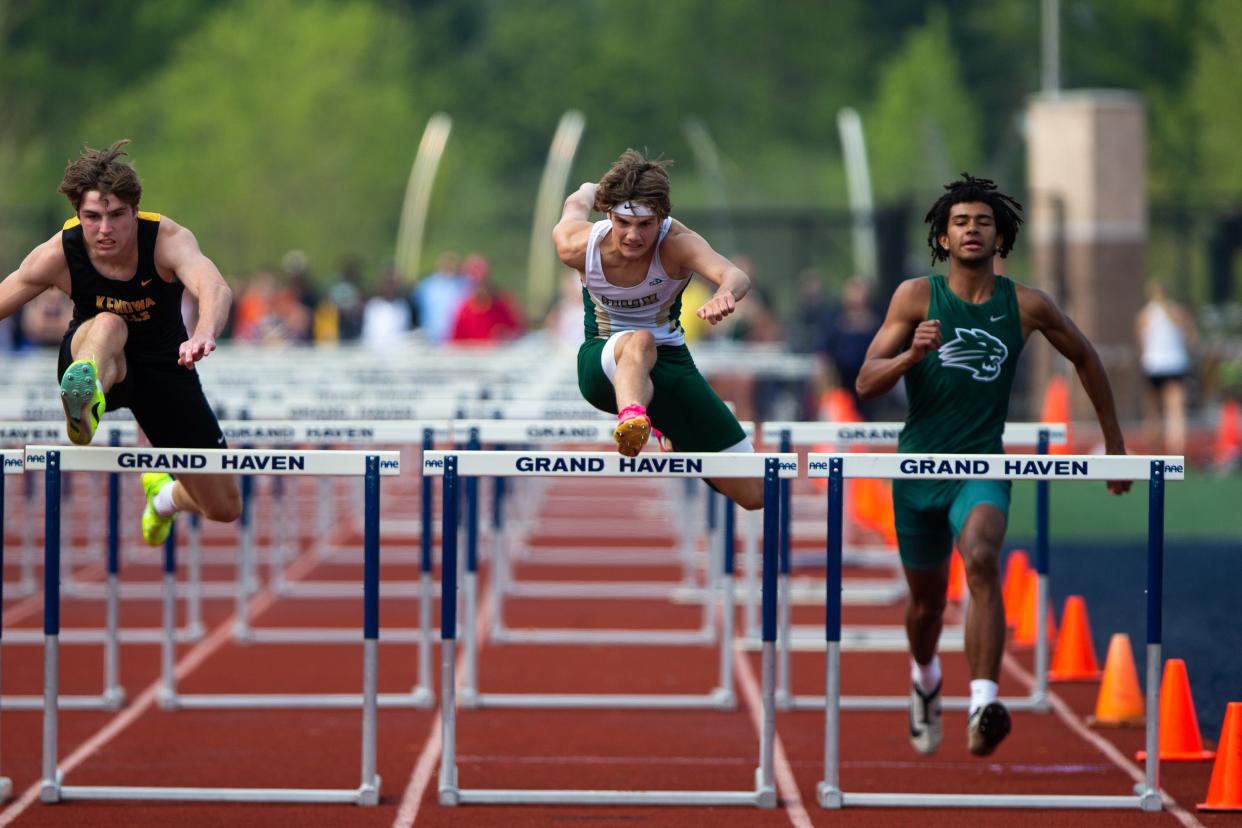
<point x="54" y="460"/>
<point x="543" y="434"/>
<point x="453" y="466"/>
<point x="1040" y="435"/>
<point x="112" y="695"/>
<point x="721" y="697"/>
<point x="837" y="468"/>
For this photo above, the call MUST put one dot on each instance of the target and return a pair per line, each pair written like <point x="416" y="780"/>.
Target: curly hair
<point x="102" y="170"/>
<point x="634" y="177"/>
<point x="1006" y="210"/>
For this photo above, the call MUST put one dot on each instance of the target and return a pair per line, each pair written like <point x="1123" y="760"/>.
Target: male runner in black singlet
<point x="127" y="346"/>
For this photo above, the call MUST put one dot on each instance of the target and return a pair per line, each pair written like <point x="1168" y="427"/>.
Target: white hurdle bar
<point x="54" y="460"/>
<point x="453" y="466"/>
<point x="842" y="435"/>
<point x="1156" y="470"/>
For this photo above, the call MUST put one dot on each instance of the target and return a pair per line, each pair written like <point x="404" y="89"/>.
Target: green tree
<point x="1213" y="95"/>
<point x="279" y="124"/>
<point x="923" y="127"/>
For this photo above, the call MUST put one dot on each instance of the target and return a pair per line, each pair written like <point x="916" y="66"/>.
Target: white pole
<point x="707" y="158"/>
<point x="858" y="181"/>
<point x="541" y="264"/>
<point x="418" y="194"/>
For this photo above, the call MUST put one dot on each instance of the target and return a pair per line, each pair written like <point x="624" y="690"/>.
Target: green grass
<point x="1204" y="505"/>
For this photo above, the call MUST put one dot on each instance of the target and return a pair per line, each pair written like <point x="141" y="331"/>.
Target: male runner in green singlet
<point x="956" y="340"/>
<point x="127" y="346"/>
<point x="634" y="266"/>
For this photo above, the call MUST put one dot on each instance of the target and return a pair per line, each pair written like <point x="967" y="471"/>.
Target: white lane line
<point x="786" y="784"/>
<point x="219" y="636"/>
<point x="424" y="768"/>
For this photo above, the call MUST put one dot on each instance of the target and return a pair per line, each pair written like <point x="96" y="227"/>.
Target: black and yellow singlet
<point x="150" y="306"/>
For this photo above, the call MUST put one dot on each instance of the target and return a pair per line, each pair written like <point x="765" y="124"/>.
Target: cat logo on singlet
<point x="977" y="351"/>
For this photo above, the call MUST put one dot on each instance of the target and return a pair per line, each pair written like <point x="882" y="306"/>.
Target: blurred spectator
<point x="45" y="319"/>
<point x="812" y="314"/>
<point x="564" y="323"/>
<point x="487" y="315"/>
<point x="1166" y="338"/>
<point x="844" y="340"/>
<point x="439" y="295"/>
<point x="386" y="317"/>
<point x="339" y="316"/>
<point x="695" y="296"/>
<point x="753" y="321"/>
<point x="297" y="270"/>
<point x="268" y="314"/>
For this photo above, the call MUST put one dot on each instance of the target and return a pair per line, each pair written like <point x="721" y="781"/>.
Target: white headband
<point x="632" y="208"/>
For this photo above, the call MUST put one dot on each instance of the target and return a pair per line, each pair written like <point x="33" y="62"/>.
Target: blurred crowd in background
<point x="459" y="303"/>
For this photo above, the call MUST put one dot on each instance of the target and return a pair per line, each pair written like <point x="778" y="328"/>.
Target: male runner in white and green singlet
<point x="956" y="340"/>
<point x="634" y="265"/>
<point x="127" y="346"/>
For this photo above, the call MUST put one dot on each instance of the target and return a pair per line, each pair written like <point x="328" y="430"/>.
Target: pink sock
<point x="631" y="411"/>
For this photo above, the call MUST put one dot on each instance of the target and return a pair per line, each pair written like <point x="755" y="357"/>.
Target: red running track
<point x="143" y="745"/>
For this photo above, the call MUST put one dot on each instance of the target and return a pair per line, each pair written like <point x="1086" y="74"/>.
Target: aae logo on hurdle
<point x="997" y="466"/>
<point x="215" y="461"/>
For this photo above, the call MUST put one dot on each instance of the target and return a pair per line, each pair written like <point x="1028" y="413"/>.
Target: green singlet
<point x="958" y="402"/>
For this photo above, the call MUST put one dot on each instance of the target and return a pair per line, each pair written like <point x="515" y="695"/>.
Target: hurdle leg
<point x="727" y="607"/>
<point x="323" y="517"/>
<point x="448" y="790"/>
<point x="167" y="695"/>
<point x="26" y="584"/>
<point x="470" y="682"/>
<point x="426" y="532"/>
<point x="245" y="566"/>
<point x="1149" y="794"/>
<point x="1039" y="691"/>
<point x="194" y="580"/>
<point x="49" y="790"/>
<point x="113" y="695"/>
<point x="784" y="692"/>
<point x="828" y="791"/>
<point x="765" y="775"/>
<point x="368" y="791"/>
<point x="751" y="553"/>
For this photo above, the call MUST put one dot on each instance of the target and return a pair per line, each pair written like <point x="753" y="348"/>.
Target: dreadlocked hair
<point x="634" y="177"/>
<point x="1005" y="208"/>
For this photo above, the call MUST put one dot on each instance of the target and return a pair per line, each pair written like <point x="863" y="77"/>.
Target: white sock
<point x="982" y="692"/>
<point x="163" y="500"/>
<point x="926" y="676"/>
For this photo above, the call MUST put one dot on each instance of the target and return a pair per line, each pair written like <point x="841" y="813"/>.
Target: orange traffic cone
<point x="1015" y="581"/>
<point x="1228" y="448"/>
<point x="1120" y="702"/>
<point x="1179" y="727"/>
<point x="1225" y="789"/>
<point x="1024" y="634"/>
<point x="1056" y="409"/>
<point x="957" y="576"/>
<point x="1074" y="656"/>
<point x="836" y="406"/>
